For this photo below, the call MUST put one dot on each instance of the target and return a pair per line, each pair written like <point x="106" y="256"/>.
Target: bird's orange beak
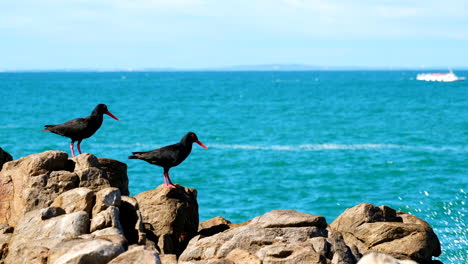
<point x="201" y="144"/>
<point x="111" y="115"/>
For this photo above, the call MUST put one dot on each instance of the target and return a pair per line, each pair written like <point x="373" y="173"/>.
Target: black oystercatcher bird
<point x="169" y="156"/>
<point x="81" y="128"/>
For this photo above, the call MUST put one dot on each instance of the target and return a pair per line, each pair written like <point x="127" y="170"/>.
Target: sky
<point x="194" y="34"/>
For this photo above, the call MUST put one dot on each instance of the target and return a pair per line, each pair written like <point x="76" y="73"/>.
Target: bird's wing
<point x="70" y="128"/>
<point x="164" y="156"/>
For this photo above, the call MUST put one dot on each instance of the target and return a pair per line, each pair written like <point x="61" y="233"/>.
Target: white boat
<point x="439" y="77"/>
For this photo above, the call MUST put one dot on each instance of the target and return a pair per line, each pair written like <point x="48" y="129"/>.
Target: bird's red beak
<point x="111" y="115"/>
<point x="201" y="144"/>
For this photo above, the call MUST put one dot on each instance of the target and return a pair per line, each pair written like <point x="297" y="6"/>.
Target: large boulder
<point x="116" y="174"/>
<point x="280" y="236"/>
<point x="171" y="215"/>
<point x="381" y="229"/>
<point x="4" y="157"/>
<point x="35" y="181"/>
<point x="36" y="234"/>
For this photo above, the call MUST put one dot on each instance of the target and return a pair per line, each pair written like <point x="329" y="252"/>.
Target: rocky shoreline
<point x="56" y="209"/>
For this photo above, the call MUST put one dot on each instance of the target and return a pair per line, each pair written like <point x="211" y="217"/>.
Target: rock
<point x="50" y="212"/>
<point x="79" y="251"/>
<point x="78" y="199"/>
<point x="85" y="161"/>
<point x="5" y="236"/>
<point x="168" y="259"/>
<point x="89" y="171"/>
<point x="322" y="247"/>
<point x="238" y="256"/>
<point x="132" y="221"/>
<point x="33" y="237"/>
<point x="173" y="215"/>
<point x="213" y="226"/>
<point x="105" y="198"/>
<point x="41" y="163"/>
<point x="137" y="255"/>
<point x="112" y="234"/>
<point x="371" y="228"/>
<point x="265" y="239"/>
<point x="288" y="218"/>
<point x="34" y="181"/>
<point x="93" y="178"/>
<point x="379" y="258"/>
<point x="340" y="253"/>
<point x="106" y="218"/>
<point x="116" y="173"/>
<point x="4" y="158"/>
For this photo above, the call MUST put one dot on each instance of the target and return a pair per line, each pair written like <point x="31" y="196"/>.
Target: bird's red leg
<point x="79" y="147"/>
<point x="72" y="149"/>
<point x="167" y="181"/>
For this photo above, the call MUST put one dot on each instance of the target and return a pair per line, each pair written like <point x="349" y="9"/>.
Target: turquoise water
<point x="317" y="142"/>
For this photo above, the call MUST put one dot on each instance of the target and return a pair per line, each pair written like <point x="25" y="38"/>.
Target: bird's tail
<point x="135" y="155"/>
<point x="46" y="129"/>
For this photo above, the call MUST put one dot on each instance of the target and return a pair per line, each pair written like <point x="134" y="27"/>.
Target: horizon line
<point x="253" y="67"/>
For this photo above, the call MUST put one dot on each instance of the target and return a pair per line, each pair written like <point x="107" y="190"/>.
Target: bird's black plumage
<point x="169" y="156"/>
<point x="81" y="128"/>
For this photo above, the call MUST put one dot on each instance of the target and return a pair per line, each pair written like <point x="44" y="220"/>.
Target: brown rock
<point x="239" y="256"/>
<point x="93" y="178"/>
<point x="5" y="237"/>
<point x="267" y="239"/>
<point x="137" y="255"/>
<point x="379" y="258"/>
<point x="33" y="237"/>
<point x="4" y="158"/>
<point x="85" y="161"/>
<point x="289" y="218"/>
<point x="168" y="259"/>
<point x="116" y="173"/>
<point x="106" y="218"/>
<point x="105" y="198"/>
<point x="112" y="234"/>
<point x="85" y="251"/>
<point x="216" y="221"/>
<point x="33" y="182"/>
<point x="173" y="215"/>
<point x="132" y="221"/>
<point x="88" y="169"/>
<point x="370" y="228"/>
<point x="78" y="199"/>
<point x="340" y="253"/>
<point x="213" y="226"/>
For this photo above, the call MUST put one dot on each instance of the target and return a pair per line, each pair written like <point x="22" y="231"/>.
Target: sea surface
<point x="317" y="142"/>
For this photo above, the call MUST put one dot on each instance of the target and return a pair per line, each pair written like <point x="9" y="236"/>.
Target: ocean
<point x="315" y="141"/>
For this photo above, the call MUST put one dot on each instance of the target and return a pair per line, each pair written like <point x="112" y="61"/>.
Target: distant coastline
<point x="240" y="68"/>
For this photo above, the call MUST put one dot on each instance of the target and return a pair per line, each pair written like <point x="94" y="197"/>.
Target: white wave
<point x="319" y="147"/>
<point x="302" y="147"/>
